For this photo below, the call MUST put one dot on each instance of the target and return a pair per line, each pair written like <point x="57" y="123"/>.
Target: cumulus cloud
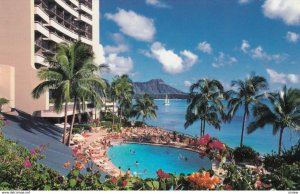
<point x="259" y="53"/>
<point x="187" y="83"/>
<point x="245" y="46"/>
<point x="205" y="47"/>
<point x="134" y="25"/>
<point x="119" y="65"/>
<point x="276" y="77"/>
<point x="157" y="3"/>
<point x="223" y="60"/>
<point x="116" y="49"/>
<point x="172" y="63"/>
<point x="286" y="10"/>
<point x="292" y="37"/>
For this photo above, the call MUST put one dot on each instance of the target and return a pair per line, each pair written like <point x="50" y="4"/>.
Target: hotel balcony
<point x="54" y="37"/>
<point x="68" y="8"/>
<point x="39" y="61"/>
<point x="87" y="3"/>
<point x="85" y="8"/>
<point x="85" y="19"/>
<point x="40" y="28"/>
<point x="40" y="10"/>
<point x="63" y="29"/>
<point x="86" y="40"/>
<point x="75" y="2"/>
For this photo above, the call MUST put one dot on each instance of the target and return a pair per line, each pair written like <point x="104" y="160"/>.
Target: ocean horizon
<point x="172" y="118"/>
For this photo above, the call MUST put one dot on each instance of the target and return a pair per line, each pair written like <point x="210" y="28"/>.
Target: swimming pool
<point x="151" y="158"/>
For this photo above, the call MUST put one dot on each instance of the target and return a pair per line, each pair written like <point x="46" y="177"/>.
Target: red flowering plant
<point x="213" y="149"/>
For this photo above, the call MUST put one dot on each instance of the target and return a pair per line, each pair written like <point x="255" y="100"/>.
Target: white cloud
<point x="287" y="10"/>
<point x="134" y="25"/>
<point x="187" y="83"/>
<point x="205" y="47"/>
<point x="157" y="3"/>
<point x="245" y="46"/>
<point x="172" y="62"/>
<point x="189" y="58"/>
<point x="292" y="37"/>
<point x="244" y="1"/>
<point x="259" y="53"/>
<point x="101" y="55"/>
<point x="116" y="49"/>
<point x="282" y="78"/>
<point x="223" y="60"/>
<point x="119" y="65"/>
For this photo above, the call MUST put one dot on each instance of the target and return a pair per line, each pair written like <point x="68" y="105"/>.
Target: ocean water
<point x="262" y="140"/>
<point x="151" y="158"/>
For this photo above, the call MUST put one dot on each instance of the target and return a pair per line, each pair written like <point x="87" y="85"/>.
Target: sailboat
<point x="167" y="101"/>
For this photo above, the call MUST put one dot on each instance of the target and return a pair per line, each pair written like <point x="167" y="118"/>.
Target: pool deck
<point x="125" y="138"/>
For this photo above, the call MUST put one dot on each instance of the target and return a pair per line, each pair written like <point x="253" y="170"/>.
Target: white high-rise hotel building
<point x="30" y="30"/>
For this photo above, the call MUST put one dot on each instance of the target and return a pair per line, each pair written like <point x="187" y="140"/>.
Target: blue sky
<point x="182" y="41"/>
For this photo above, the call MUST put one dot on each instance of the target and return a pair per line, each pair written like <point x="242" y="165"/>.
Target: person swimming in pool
<point x="136" y="163"/>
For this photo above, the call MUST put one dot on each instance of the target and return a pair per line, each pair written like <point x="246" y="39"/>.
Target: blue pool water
<point x="173" y="117"/>
<point x="153" y="158"/>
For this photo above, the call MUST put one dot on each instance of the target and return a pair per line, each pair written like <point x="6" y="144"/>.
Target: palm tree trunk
<point x="280" y="141"/>
<point x="65" y="124"/>
<point x="113" y="114"/>
<point x="243" y="128"/>
<point x="120" y="119"/>
<point x="73" y="120"/>
<point x="203" y="130"/>
<point x="201" y="126"/>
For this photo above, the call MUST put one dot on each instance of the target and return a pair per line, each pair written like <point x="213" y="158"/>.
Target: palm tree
<point x="3" y="101"/>
<point x="122" y="91"/>
<point x="283" y="113"/>
<point x="56" y="79"/>
<point x="205" y="104"/>
<point x="71" y="75"/>
<point x="246" y="93"/>
<point x="145" y="107"/>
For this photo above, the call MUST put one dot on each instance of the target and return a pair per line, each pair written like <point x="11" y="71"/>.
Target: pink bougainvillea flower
<point x="207" y="137"/>
<point x="114" y="180"/>
<point x="124" y="183"/>
<point x="228" y="187"/>
<point x="32" y="151"/>
<point x="258" y="184"/>
<point x="161" y="174"/>
<point x="266" y="186"/>
<point x="215" y="144"/>
<point x="204" y="140"/>
<point x="27" y="163"/>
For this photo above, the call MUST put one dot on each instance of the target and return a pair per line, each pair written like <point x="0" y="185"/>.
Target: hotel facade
<point x="30" y="31"/>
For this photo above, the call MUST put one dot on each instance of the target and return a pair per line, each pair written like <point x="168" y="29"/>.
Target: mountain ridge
<point x="158" y="89"/>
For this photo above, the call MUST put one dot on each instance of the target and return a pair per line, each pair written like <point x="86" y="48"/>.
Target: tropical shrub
<point x="245" y="154"/>
<point x="274" y="161"/>
<point x="106" y="124"/>
<point x="285" y="177"/>
<point x="19" y="169"/>
<point x="85" y="127"/>
<point x="213" y="149"/>
<point x="242" y="179"/>
<point x="76" y="130"/>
